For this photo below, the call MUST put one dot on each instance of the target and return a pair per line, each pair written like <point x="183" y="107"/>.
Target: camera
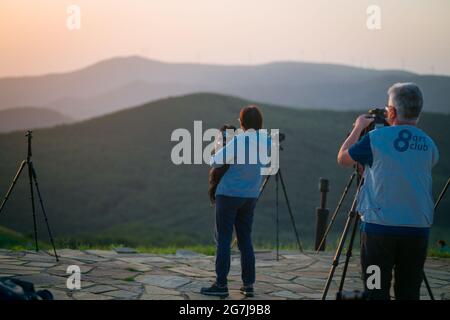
<point x="379" y="116"/>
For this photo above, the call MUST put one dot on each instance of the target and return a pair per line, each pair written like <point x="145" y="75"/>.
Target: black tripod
<point x="353" y="218"/>
<point x="32" y="178"/>
<point x="279" y="178"/>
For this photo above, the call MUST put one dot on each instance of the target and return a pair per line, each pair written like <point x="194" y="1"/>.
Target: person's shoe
<point x="215" y="291"/>
<point x="247" y="291"/>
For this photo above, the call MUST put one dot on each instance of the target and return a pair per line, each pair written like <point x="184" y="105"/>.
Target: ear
<point x="392" y="114"/>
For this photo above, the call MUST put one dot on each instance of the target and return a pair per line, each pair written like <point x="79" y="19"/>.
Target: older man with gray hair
<point x="395" y="201"/>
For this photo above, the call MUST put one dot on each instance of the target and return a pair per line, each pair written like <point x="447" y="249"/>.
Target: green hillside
<point x="13" y="239"/>
<point x="111" y="179"/>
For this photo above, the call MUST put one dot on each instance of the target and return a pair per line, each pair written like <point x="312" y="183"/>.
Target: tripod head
<point x="29" y="136"/>
<point x="281" y="137"/>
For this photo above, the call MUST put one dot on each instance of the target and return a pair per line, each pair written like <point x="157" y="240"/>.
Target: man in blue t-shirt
<point x="395" y="201"/>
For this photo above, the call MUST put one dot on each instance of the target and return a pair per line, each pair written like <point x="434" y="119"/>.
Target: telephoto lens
<point x="379" y="116"/>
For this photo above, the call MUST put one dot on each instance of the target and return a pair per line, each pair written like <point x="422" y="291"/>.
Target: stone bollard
<point x="321" y="214"/>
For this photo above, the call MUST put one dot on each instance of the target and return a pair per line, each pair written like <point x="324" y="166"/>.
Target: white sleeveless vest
<point x="397" y="189"/>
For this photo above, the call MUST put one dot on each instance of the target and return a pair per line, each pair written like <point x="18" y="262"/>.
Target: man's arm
<point x="344" y="159"/>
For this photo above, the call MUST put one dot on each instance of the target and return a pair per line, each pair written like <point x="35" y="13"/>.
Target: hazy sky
<point x="414" y="35"/>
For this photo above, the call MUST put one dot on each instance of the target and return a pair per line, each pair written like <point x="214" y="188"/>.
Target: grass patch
<point x="208" y="250"/>
<point x="435" y="253"/>
<point x="15" y="241"/>
<point x="10" y="239"/>
<point x="129" y="279"/>
<point x="86" y="245"/>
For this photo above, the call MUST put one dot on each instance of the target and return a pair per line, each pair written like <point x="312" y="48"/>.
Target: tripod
<point x="353" y="218"/>
<point x="32" y="178"/>
<point x="279" y="178"/>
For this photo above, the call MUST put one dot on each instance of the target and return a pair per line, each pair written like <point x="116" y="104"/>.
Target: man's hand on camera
<point x="363" y="121"/>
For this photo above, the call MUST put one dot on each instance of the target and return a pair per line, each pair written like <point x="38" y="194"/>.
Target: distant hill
<point x="119" y="83"/>
<point x="30" y="118"/>
<point x="112" y="178"/>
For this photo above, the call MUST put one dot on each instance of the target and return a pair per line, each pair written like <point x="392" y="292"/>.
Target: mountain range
<point x="123" y="82"/>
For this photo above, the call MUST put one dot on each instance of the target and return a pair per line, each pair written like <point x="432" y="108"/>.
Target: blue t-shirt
<point x="244" y="176"/>
<point x="397" y="189"/>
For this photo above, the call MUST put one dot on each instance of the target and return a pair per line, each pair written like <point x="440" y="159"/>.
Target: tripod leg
<point x="338" y="253"/>
<point x="234" y="243"/>
<point x="351" y="216"/>
<point x="43" y="210"/>
<point x="349" y="252"/>
<point x="338" y="207"/>
<point x="290" y="211"/>
<point x="263" y="186"/>
<point x="441" y="195"/>
<point x="16" y="177"/>
<point x="277" y="221"/>
<point x="428" y="286"/>
<point x="30" y="177"/>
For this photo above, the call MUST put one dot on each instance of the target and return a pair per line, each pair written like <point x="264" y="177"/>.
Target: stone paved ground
<point x="110" y="275"/>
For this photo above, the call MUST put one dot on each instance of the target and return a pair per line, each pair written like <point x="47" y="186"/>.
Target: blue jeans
<point x="237" y="212"/>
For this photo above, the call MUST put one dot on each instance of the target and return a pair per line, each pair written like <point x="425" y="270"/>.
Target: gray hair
<point x="407" y="100"/>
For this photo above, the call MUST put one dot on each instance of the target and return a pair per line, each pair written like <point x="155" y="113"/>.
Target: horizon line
<point x="118" y="57"/>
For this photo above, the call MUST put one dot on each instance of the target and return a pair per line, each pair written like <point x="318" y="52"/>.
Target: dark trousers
<point x="237" y="212"/>
<point x="405" y="255"/>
